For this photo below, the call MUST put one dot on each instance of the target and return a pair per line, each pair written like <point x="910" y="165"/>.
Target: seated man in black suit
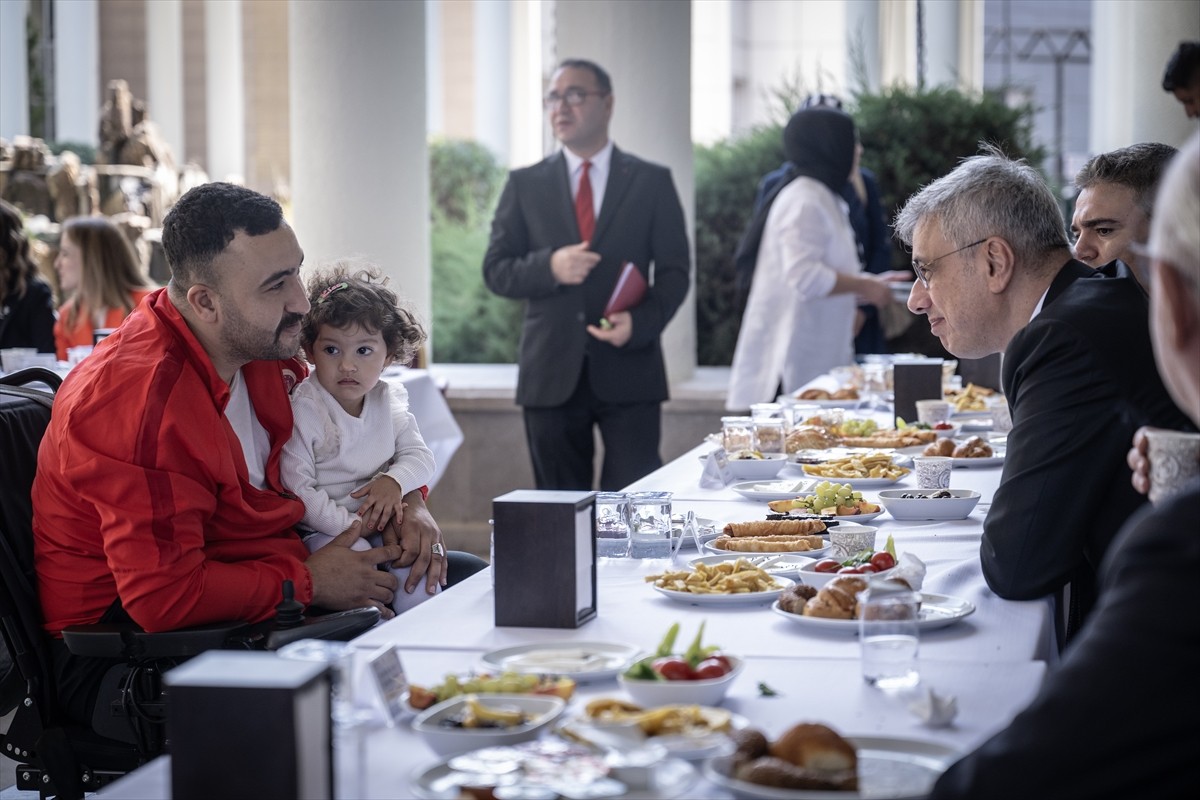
<point x="995" y="274"/>
<point x="1114" y="720"/>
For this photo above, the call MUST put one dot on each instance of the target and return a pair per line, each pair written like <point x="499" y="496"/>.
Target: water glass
<point x="737" y="433"/>
<point x="769" y="435"/>
<point x="650" y="524"/>
<point x="888" y="635"/>
<point x="612" y="525"/>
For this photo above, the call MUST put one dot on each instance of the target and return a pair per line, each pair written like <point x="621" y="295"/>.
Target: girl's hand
<point x="384" y="501"/>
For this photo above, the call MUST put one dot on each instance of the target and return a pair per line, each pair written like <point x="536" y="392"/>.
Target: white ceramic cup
<point x="933" y="472"/>
<point x="1174" y="460"/>
<point x="932" y="412"/>
<point x="846" y="540"/>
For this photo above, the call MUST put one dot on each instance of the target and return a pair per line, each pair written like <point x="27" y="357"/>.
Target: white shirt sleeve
<point x="312" y="429"/>
<point x="801" y="229"/>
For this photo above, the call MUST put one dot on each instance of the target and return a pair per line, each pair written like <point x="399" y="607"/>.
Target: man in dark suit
<point x="562" y="231"/>
<point x="995" y="274"/>
<point x="1093" y="731"/>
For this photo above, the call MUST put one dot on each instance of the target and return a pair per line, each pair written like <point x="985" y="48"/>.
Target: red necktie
<point x="583" y="205"/>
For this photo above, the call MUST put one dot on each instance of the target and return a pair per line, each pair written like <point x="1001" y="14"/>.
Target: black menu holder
<point x="544" y="559"/>
<point x="249" y="724"/>
<point x="918" y="379"/>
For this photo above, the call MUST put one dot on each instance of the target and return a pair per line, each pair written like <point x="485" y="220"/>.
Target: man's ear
<point x="1000" y="263"/>
<point x="204" y="302"/>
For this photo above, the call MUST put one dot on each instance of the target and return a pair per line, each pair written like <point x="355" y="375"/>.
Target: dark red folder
<point x="629" y="290"/>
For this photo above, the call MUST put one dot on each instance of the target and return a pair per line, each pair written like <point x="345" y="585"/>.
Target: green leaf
<point x="766" y="691"/>
<point x="695" y="651"/>
<point x="890" y="547"/>
<point x="667" y="645"/>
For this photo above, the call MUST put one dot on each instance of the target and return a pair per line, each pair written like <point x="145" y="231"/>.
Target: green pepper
<point x="667" y="645"/>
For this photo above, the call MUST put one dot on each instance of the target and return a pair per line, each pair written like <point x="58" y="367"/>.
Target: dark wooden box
<point x="544" y="558"/>
<point x="913" y="381"/>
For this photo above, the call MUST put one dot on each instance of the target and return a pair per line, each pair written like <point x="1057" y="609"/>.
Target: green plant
<point x="85" y="151"/>
<point x="470" y="324"/>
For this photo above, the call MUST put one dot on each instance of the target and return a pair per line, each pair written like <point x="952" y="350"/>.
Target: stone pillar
<point x="863" y="45"/>
<point x="164" y="71"/>
<point x="646" y="48"/>
<point x="493" y="34"/>
<point x="525" y="83"/>
<point x="712" y="68"/>
<point x="898" y="44"/>
<point x="14" y="70"/>
<point x="225" y="84"/>
<point x="360" y="171"/>
<point x="1129" y="105"/>
<point x="941" y="42"/>
<point x="76" y="70"/>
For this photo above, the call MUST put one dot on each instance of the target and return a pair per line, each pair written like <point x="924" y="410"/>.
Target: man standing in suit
<point x="562" y="231"/>
<point x="995" y="274"/>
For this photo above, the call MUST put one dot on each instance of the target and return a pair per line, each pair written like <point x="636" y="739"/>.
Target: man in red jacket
<point x="158" y="497"/>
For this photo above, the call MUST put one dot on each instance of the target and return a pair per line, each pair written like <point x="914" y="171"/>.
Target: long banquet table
<point x="993" y="661"/>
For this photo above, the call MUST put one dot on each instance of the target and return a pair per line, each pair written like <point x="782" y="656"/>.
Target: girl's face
<point x="348" y="363"/>
<point x="69" y="264"/>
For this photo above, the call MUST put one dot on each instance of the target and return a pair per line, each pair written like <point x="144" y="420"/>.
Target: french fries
<point x="972" y="398"/>
<point x="875" y="465"/>
<point x="726" y="577"/>
<point x="663" y="720"/>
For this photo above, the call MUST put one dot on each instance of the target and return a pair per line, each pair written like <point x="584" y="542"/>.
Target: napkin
<point x="935" y="710"/>
<point x="716" y="474"/>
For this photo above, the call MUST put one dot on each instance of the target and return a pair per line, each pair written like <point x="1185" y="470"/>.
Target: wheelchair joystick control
<point x="290" y="612"/>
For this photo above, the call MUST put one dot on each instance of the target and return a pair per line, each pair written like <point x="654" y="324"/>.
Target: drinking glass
<point x="650" y="525"/>
<point x="888" y="636"/>
<point x="737" y="433"/>
<point x="612" y="525"/>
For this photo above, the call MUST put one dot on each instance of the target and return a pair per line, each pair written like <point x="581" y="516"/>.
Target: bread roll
<point x="815" y="747"/>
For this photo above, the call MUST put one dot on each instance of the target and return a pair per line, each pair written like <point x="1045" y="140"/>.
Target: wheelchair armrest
<point x="128" y="641"/>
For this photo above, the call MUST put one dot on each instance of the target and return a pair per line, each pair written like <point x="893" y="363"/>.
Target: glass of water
<point x="888" y="635"/>
<point x="612" y="525"/>
<point x="650" y="524"/>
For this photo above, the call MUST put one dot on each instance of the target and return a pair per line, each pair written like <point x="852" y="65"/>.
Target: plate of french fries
<point x="860" y="471"/>
<point x="725" y="583"/>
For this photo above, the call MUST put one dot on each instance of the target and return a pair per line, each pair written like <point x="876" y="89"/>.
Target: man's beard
<point x="246" y="343"/>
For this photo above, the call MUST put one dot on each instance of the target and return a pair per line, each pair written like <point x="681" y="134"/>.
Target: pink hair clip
<point x="337" y="287"/>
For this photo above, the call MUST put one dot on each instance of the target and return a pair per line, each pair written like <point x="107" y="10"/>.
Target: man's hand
<point x="874" y="289"/>
<point x="1138" y="460"/>
<point x="385" y="501"/>
<point x="343" y="578"/>
<point x="416" y="537"/>
<point x="571" y="264"/>
<point x="620" y="331"/>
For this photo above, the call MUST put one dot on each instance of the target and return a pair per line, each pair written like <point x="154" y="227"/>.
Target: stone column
<point x="712" y="66"/>
<point x="14" y="70"/>
<point x="646" y="48"/>
<point x="1131" y="42"/>
<point x="76" y="70"/>
<point x="360" y="171"/>
<point x="493" y="36"/>
<point x="864" y="48"/>
<point x="225" y="84"/>
<point x="164" y="71"/>
<point x="525" y="129"/>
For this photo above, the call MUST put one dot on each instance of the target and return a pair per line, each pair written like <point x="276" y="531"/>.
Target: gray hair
<point x="1174" y="234"/>
<point x="989" y="195"/>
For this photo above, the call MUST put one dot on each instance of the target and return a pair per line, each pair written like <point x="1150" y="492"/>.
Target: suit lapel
<point x="558" y="193"/>
<point x="620" y="176"/>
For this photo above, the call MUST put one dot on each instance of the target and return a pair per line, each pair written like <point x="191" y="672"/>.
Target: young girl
<point x="355" y="448"/>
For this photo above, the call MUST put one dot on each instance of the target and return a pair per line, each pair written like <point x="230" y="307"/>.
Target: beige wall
<point x="268" y="143"/>
<point x="458" y="68"/>
<point x="123" y="45"/>
<point x="195" y="91"/>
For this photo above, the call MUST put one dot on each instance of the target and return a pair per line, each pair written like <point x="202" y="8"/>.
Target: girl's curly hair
<point x="346" y="293"/>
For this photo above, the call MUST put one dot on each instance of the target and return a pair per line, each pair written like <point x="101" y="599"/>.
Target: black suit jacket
<point x="641" y="221"/>
<point x="1080" y="379"/>
<point x="1114" y="720"/>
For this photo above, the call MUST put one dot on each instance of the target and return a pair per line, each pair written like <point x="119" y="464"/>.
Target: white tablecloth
<point x="438" y="428"/>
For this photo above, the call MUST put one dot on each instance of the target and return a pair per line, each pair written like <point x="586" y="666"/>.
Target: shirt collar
<point x="599" y="161"/>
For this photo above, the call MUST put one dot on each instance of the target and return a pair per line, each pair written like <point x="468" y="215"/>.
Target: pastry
<point x="973" y="448"/>
<point x="775" y="527"/>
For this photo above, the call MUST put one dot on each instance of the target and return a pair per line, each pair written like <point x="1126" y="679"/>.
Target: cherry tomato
<point x="867" y="569"/>
<point x="883" y="561"/>
<point x="850" y="571"/>
<point x="943" y="426"/>
<point x="827" y="565"/>
<point x="722" y="658"/>
<point x="673" y="668"/>
<point x="710" y="668"/>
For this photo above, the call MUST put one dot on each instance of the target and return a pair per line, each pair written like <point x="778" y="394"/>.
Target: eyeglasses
<point x="572" y="97"/>
<point x="922" y="270"/>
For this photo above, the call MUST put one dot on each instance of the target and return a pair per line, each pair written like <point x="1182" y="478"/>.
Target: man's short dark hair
<point x="602" y="79"/>
<point x="204" y="221"/>
<point x="1183" y="68"/>
<point x="1139" y="166"/>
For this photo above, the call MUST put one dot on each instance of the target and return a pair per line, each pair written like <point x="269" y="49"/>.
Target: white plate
<point x="672" y="778"/>
<point x="889" y="768"/>
<point x="937" y="611"/>
<point x="863" y="483"/>
<point x="787" y="566"/>
<point x="774" y="490"/>
<point x="746" y="598"/>
<point x="692" y="748"/>
<point x="603" y="659"/>
<point x="818" y="553"/>
<point x="963" y="463"/>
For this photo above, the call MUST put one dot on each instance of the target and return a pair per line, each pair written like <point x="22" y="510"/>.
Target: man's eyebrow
<point x="279" y="275"/>
<point x="1096" y="221"/>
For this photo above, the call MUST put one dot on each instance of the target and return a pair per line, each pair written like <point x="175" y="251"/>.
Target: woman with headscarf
<point x="799" y="318"/>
